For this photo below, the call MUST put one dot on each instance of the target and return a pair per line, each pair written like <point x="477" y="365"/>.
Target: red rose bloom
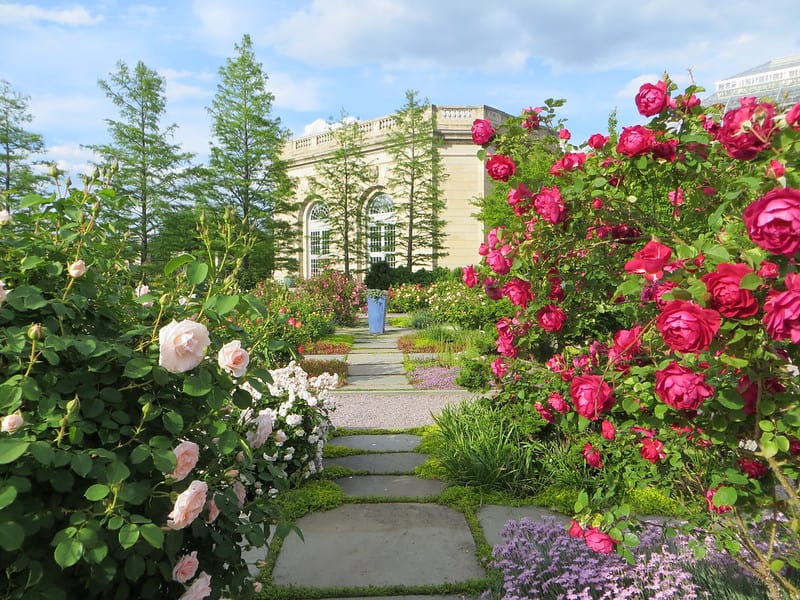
<point x="575" y="529"/>
<point x="652" y="99"/>
<point x="482" y="132"/>
<point x="713" y="507"/>
<point x="499" y="367"/>
<point x="652" y="450"/>
<point x="635" y="140"/>
<point x="745" y="142"/>
<point x="773" y="221"/>
<point x="591" y="396"/>
<point x="726" y="295"/>
<point x="608" y="430"/>
<point x="469" y="276"/>
<point x="749" y="391"/>
<point x="498" y="260"/>
<point x="768" y="270"/>
<point x="520" y="199"/>
<point x="752" y="467"/>
<point x="569" y="162"/>
<point x="597" y="140"/>
<point x="592" y="456"/>
<point x="544" y="412"/>
<point x="518" y="291"/>
<point x="500" y="167"/>
<point x="557" y="401"/>
<point x="686" y="326"/>
<point x="551" y="318"/>
<point x="564" y="134"/>
<point x="681" y="388"/>
<point x="627" y="344"/>
<point x="599" y="541"/>
<point x="782" y="311"/>
<point x="793" y="117"/>
<point x="650" y="260"/>
<point x="549" y="206"/>
<point x="775" y="169"/>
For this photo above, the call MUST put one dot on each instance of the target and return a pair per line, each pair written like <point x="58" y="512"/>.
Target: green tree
<point x="151" y="168"/>
<point x="247" y="172"/>
<point x="341" y="183"/>
<point x="16" y="145"/>
<point x="415" y="181"/>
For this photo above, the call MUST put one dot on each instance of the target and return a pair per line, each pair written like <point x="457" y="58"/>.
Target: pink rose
<point x="712" y="506"/>
<point x="499" y="367"/>
<point x="726" y="295"/>
<point x="775" y="169"/>
<point x="597" y="140"/>
<point x="592" y="456"/>
<point x="681" y="388"/>
<point x="557" y="401"/>
<point x="575" y="529"/>
<point x="240" y="493"/>
<point x="11" y="423"/>
<point x="747" y="130"/>
<point x="551" y="318"/>
<point x="591" y="396"/>
<point x="635" y="140"/>
<point x="500" y="167"/>
<point x="544" y="412"/>
<point x="650" y="260"/>
<point x="482" y="132"/>
<point x="518" y="291"/>
<point x="608" y="430"/>
<point x="793" y="117"/>
<point x="627" y="344"/>
<point x="686" y="326"/>
<point x="201" y="588"/>
<point x="752" y="467"/>
<point x="188" y="505"/>
<point x="77" y="269"/>
<point x="652" y="98"/>
<point x="773" y="221"/>
<point x="233" y="358"/>
<point x="782" y="311"/>
<point x="263" y="428"/>
<point x="213" y="510"/>
<point x="185" y="568"/>
<point x="469" y="276"/>
<point x="652" y="450"/>
<point x="520" y="199"/>
<point x="549" y="205"/>
<point x="181" y="346"/>
<point x="186" y="455"/>
<point x="599" y="541"/>
<point x="498" y="260"/>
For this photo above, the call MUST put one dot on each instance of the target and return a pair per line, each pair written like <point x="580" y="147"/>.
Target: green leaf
<point x="95" y="492"/>
<point x="8" y="493"/>
<point x="68" y="552"/>
<point x="197" y="385"/>
<point x="134" y="567"/>
<point x="228" y="442"/>
<point x="196" y="273"/>
<point x="11" y="449"/>
<point x="177" y="262"/>
<point x="139" y="454"/>
<point x="173" y="422"/>
<point x="31" y="262"/>
<point x="42" y="452"/>
<point x="776" y="565"/>
<point x="117" y="472"/>
<point x="730" y="398"/>
<point x="81" y="464"/>
<point x="225" y="304"/>
<point x="11" y="536"/>
<point x="128" y="535"/>
<point x="751" y="281"/>
<point x="725" y="496"/>
<point x="582" y="501"/>
<point x="153" y="534"/>
<point x="136" y="368"/>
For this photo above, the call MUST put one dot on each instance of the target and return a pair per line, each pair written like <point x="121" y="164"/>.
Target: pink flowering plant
<point x="654" y="276"/>
<point x="135" y="415"/>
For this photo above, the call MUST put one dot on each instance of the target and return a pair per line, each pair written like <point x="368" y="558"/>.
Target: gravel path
<point x="391" y="410"/>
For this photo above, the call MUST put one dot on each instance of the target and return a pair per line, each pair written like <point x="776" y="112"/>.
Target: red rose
<point x="500" y="167"/>
<point x="627" y="344"/>
<point x="564" y="134"/>
<point x="592" y="456"/>
<point x="591" y="396"/>
<point x="752" y="467"/>
<point x="773" y="221"/>
<point x="713" y="507"/>
<point x="520" y="198"/>
<point x="551" y="318"/>
<point x="747" y="130"/>
<point x="544" y="412"/>
<point x="726" y="295"/>
<point x="686" y="326"/>
<point x="599" y="541"/>
<point x="549" y="206"/>
<point x="652" y="450"/>
<point x="775" y="169"/>
<point x="518" y="291"/>
<point x="482" y="132"/>
<point x="652" y="99"/>
<point x="608" y="430"/>
<point x="782" y="311"/>
<point x="499" y="367"/>
<point x="681" y="388"/>
<point x="531" y="117"/>
<point x="469" y="276"/>
<point x="569" y="162"/>
<point x="575" y="529"/>
<point x="650" y="260"/>
<point x="793" y="117"/>
<point x="557" y="401"/>
<point x="492" y="288"/>
<point x="768" y="270"/>
<point x="597" y="140"/>
<point x="666" y="150"/>
<point x="635" y="140"/>
<point x="498" y="260"/>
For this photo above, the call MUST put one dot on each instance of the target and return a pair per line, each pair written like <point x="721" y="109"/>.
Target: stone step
<point x="380" y="464"/>
<point x="395" y="442"/>
<point x="389" y="486"/>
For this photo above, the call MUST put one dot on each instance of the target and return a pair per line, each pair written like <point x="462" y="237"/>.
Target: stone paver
<point x="358" y="545"/>
<point x="406" y="598"/>
<point x="374" y="370"/>
<point x="396" y="442"/>
<point x="390" y="486"/>
<point x="494" y="518"/>
<point x="380" y="464"/>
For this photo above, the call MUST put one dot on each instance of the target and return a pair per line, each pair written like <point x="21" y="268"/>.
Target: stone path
<point x="389" y="533"/>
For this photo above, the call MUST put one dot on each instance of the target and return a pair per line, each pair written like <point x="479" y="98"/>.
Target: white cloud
<point x="72" y="160"/>
<point x="632" y="87"/>
<point x="316" y="126"/>
<point x="294" y="93"/>
<point x="177" y="90"/>
<point x="22" y="14"/>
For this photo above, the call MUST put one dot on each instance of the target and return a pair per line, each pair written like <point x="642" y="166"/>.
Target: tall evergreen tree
<point x="415" y="182"/>
<point x="16" y="146"/>
<point x="341" y="182"/>
<point x="247" y="172"/>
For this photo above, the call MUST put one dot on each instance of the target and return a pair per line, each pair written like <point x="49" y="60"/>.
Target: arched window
<point x="319" y="246"/>
<point x="380" y="229"/>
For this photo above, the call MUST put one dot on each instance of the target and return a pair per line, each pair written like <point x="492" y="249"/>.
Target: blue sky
<point x="325" y="56"/>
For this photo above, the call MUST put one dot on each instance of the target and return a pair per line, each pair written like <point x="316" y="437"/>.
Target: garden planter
<point x="376" y="314"/>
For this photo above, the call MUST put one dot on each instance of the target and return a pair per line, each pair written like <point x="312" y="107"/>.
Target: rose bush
<point x="683" y="233"/>
<point x="135" y="417"/>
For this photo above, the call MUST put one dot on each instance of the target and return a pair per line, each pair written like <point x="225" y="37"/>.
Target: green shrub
<point x="408" y="297"/>
<point x="379" y="276"/>
<point x="334" y="294"/>
<point x="475" y="375"/>
<point x="468" y="308"/>
<point x="650" y="501"/>
<point x="422" y="319"/>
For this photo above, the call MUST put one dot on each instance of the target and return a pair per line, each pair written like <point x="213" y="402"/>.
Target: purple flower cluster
<point x="435" y="378"/>
<point x="539" y="560"/>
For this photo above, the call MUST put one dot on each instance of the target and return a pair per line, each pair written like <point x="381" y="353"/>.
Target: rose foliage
<point x="685" y="233"/>
<point x="143" y="436"/>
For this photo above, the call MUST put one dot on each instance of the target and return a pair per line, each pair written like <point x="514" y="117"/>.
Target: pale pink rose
<point x="201" y="588"/>
<point x="188" y="505"/>
<point x="5" y="217"/>
<point x="142" y="290"/>
<point x="241" y="493"/>
<point x="2" y="292"/>
<point x="213" y="510"/>
<point x="77" y="269"/>
<point x="181" y="345"/>
<point x="185" y="568"/>
<point x="10" y="423"/>
<point x="257" y="586"/>
<point x="233" y="359"/>
<point x="263" y="423"/>
<point x="186" y="455"/>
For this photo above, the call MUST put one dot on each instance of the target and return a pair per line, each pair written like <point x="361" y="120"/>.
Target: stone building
<point x="465" y="180"/>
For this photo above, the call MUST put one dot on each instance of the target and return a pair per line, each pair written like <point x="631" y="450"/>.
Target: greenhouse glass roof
<point x="777" y="79"/>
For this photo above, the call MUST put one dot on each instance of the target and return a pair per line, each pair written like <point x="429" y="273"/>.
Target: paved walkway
<point x="401" y="540"/>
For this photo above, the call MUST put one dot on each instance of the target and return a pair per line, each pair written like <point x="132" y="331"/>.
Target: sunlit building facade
<point x="778" y="79"/>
